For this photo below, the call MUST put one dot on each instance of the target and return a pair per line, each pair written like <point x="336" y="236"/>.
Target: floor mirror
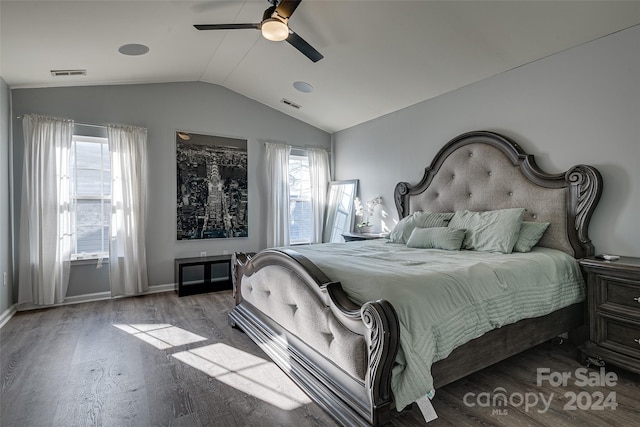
<point x="339" y="213"/>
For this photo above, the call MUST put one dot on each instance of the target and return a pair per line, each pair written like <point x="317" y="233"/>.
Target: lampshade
<point x="274" y="29"/>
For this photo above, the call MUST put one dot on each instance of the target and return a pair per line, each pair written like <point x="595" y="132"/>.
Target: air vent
<point x="290" y="103"/>
<point x="59" y="73"/>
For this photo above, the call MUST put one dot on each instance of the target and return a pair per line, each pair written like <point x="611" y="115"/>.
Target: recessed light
<point x="303" y="87"/>
<point x="133" y="49"/>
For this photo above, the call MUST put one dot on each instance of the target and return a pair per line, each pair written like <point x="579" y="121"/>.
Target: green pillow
<point x="403" y="229"/>
<point x="436" y="238"/>
<point x="432" y="219"/>
<point x="490" y="231"/>
<point x="530" y="234"/>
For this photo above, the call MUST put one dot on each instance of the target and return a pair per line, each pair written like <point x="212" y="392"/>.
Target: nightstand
<point x="354" y="237"/>
<point x="613" y="303"/>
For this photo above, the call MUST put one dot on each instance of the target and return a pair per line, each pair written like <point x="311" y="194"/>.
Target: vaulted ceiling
<point x="379" y="56"/>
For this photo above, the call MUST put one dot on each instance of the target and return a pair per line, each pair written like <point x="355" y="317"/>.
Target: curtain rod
<point x="78" y="123"/>
<point x="298" y="147"/>
<point x="89" y="125"/>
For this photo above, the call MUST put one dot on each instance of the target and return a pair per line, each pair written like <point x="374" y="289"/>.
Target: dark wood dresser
<point x="613" y="302"/>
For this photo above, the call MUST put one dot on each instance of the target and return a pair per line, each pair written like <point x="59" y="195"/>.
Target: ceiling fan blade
<point x="286" y="8"/>
<point x="227" y="26"/>
<point x="305" y="48"/>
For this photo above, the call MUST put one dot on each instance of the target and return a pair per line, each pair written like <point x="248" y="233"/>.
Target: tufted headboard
<point x="482" y="171"/>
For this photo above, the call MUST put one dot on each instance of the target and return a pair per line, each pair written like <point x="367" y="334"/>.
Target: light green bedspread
<point x="446" y="298"/>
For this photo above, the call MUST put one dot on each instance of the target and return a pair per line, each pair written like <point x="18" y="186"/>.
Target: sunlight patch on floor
<point x="162" y="335"/>
<point x="235" y="368"/>
<point x="247" y="373"/>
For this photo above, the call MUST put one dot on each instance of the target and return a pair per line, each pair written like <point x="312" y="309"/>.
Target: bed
<point x="344" y="342"/>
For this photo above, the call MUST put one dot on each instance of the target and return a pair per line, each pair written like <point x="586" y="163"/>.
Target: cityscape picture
<point x="211" y="187"/>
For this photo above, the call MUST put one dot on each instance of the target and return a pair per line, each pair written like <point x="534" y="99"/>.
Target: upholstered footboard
<point x="341" y="354"/>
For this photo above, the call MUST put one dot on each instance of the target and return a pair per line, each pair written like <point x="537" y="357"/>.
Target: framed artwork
<point x="211" y="187"/>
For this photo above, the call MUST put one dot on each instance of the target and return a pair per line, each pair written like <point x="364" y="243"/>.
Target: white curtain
<point x="319" y="174"/>
<point x="45" y="218"/>
<point x="278" y="207"/>
<point x="127" y="254"/>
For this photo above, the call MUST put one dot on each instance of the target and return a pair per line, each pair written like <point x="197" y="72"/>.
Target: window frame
<point x="300" y="154"/>
<point x="102" y="197"/>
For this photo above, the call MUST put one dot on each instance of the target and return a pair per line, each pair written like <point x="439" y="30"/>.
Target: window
<point x="91" y="193"/>
<point x="300" y="212"/>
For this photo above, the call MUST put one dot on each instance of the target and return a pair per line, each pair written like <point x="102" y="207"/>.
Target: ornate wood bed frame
<point x="341" y="353"/>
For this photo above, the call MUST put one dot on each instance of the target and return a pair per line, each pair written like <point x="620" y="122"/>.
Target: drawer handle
<point x="637" y="299"/>
<point x="637" y="340"/>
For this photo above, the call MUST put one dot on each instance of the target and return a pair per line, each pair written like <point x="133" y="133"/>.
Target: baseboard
<point x="76" y="299"/>
<point x="169" y="287"/>
<point x="7" y="315"/>
<point x="97" y="296"/>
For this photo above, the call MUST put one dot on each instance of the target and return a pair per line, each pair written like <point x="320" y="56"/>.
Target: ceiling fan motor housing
<point x="273" y="26"/>
<point x="268" y="13"/>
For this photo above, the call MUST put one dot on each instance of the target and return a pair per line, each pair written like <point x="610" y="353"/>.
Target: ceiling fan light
<point x="274" y="29"/>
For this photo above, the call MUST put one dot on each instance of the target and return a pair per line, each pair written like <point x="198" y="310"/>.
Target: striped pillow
<point x="530" y="234"/>
<point x="402" y="230"/>
<point x="445" y="238"/>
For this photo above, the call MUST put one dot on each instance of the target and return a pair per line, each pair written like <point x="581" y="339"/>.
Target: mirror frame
<point x="326" y="226"/>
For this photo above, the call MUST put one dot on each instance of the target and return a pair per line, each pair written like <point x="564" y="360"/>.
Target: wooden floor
<point x="160" y="360"/>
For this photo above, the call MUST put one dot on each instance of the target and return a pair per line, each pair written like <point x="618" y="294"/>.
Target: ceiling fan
<point x="274" y="26"/>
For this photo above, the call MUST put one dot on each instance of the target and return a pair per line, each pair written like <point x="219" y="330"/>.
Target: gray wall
<point x="6" y="299"/>
<point x="581" y="106"/>
<point x="163" y="109"/>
